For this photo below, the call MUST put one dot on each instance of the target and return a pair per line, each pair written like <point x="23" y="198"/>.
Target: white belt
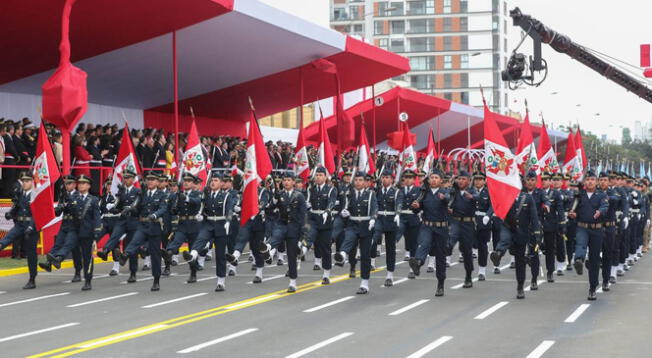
<point x="111" y="215"/>
<point x="318" y="211"/>
<point x="406" y="212"/>
<point x="386" y="213"/>
<point x="360" y="218"/>
<point x="480" y="213"/>
<point x="215" y="218"/>
<point x="635" y="210"/>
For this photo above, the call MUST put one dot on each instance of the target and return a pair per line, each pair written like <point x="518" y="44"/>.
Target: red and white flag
<point x="579" y="146"/>
<point x="547" y="156"/>
<point x="325" y="156"/>
<point x="572" y="163"/>
<point x="194" y="158"/>
<point x="503" y="179"/>
<point x="365" y="162"/>
<point x="431" y="154"/>
<point x="526" y="152"/>
<point x="257" y="168"/>
<point x="407" y="158"/>
<point x="126" y="160"/>
<point x="45" y="173"/>
<point x="301" y="157"/>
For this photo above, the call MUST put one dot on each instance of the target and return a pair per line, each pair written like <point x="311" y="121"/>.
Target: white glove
<point x="345" y="213"/>
<point x="372" y="222"/>
<point x="635" y="202"/>
<point x="308" y="205"/>
<point x="638" y="216"/>
<point x="485" y="220"/>
<point x="625" y="223"/>
<point x="199" y="217"/>
<point x="397" y="220"/>
<point x="647" y="223"/>
<point x="236" y="209"/>
<point x="227" y="226"/>
<point x="110" y="206"/>
<point x="325" y="216"/>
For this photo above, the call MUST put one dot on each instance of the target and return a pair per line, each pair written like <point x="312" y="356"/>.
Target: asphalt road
<point x="116" y="319"/>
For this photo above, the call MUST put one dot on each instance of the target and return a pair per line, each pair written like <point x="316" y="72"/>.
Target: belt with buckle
<point x="187" y="218"/>
<point x="318" y="212"/>
<point x="111" y="215"/>
<point x="23" y="218"/>
<point x="360" y="218"/>
<point x="387" y="213"/>
<point x="406" y="212"/>
<point x="215" y="218"/>
<point x="435" y="223"/>
<point x="480" y="213"/>
<point x="590" y="225"/>
<point x="464" y="219"/>
<point x="610" y="224"/>
<point x="67" y="217"/>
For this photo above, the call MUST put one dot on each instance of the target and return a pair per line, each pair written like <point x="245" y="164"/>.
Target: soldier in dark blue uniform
<point x="339" y="223"/>
<point x="24" y="229"/>
<point x="390" y="201"/>
<point x="167" y="183"/>
<point x="483" y="214"/>
<point x="551" y="222"/>
<point x="186" y="210"/>
<point x="462" y="219"/>
<point x="433" y="235"/>
<point x="571" y="223"/>
<point x="643" y="215"/>
<point x="110" y="217"/>
<point x="88" y="225"/>
<point x="321" y="201"/>
<point x="590" y="207"/>
<point x="621" y="206"/>
<point x="150" y="211"/>
<point x="610" y="223"/>
<point x="560" y="244"/>
<point x="521" y="229"/>
<point x="360" y="209"/>
<point x="127" y="200"/>
<point x="542" y="205"/>
<point x="292" y="210"/>
<point x="218" y="210"/>
<point x="234" y="227"/>
<point x="410" y="222"/>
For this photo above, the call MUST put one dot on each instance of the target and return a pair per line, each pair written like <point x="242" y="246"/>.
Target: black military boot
<point x="592" y="295"/>
<point x="166" y="270"/>
<point x="520" y="293"/>
<point x="495" y="257"/>
<point x="87" y="285"/>
<point x="76" y="277"/>
<point x="468" y="282"/>
<point x="155" y="286"/>
<point x="579" y="266"/>
<point x="415" y="265"/>
<point x="440" y="289"/>
<point x="132" y="277"/>
<point x="30" y="284"/>
<point x="550" y="277"/>
<point x="103" y="254"/>
<point x="193" y="276"/>
<point x="534" y="285"/>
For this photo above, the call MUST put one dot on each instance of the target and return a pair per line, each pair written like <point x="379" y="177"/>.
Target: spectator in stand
<point x="11" y="157"/>
<point x="96" y="153"/>
<point x="219" y="154"/>
<point x="23" y="154"/>
<point x="81" y="157"/>
<point x="57" y="148"/>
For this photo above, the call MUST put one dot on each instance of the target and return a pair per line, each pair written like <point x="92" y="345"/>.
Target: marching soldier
<point x="88" y="226"/>
<point x="168" y="232"/>
<point x="410" y="222"/>
<point x="433" y="236"/>
<point x="390" y="200"/>
<point x="610" y="223"/>
<point x="234" y="227"/>
<point x="150" y="209"/>
<point x="560" y="244"/>
<point x="110" y="217"/>
<point x="622" y="221"/>
<point x="360" y="208"/>
<point x="21" y="214"/>
<point x="321" y="201"/>
<point x="542" y="205"/>
<point x="571" y="223"/>
<point x="590" y="207"/>
<point x="551" y="223"/>
<point x="483" y="214"/>
<point x="462" y="214"/>
<point x="520" y="230"/>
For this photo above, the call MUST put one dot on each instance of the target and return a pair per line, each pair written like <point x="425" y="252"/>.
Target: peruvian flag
<point x="407" y="158"/>
<point x="547" y="156"/>
<point x="503" y="180"/>
<point x="126" y="159"/>
<point x="526" y="152"/>
<point x="572" y="165"/>
<point x="194" y="159"/>
<point x="257" y="168"/>
<point x="45" y="173"/>
<point x="301" y="157"/>
<point x="365" y="162"/>
<point x="431" y="154"/>
<point x="325" y="153"/>
<point x="579" y="146"/>
<point x="235" y="170"/>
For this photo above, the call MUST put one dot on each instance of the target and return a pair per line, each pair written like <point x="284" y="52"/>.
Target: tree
<point x="627" y="136"/>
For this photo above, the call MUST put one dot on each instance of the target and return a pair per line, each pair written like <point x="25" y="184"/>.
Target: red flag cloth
<point x="301" y="157"/>
<point x="503" y="180"/>
<point x="257" y="168"/>
<point x="431" y="154"/>
<point x="645" y="55"/>
<point x="579" y="146"/>
<point x="126" y="160"/>
<point x="546" y="153"/>
<point x="45" y="173"/>
<point x="365" y="161"/>
<point x="345" y="125"/>
<point x="325" y="153"/>
<point x="194" y="158"/>
<point x="572" y="165"/>
<point x="407" y="158"/>
<point x="65" y="97"/>
<point x="526" y="152"/>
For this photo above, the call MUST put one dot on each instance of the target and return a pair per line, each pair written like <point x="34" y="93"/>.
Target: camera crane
<point x="540" y="33"/>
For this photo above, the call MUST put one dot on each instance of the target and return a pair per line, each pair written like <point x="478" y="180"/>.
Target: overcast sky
<point x="616" y="28"/>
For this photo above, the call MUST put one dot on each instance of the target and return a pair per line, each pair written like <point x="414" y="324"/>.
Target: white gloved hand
<point x="227" y="226"/>
<point x="325" y="216"/>
<point x="635" y="202"/>
<point x="345" y="213"/>
<point x="110" y="206"/>
<point x="648" y="222"/>
<point x="397" y="220"/>
<point x="372" y="222"/>
<point x="485" y="220"/>
<point x="625" y="223"/>
<point x="199" y="217"/>
<point x="308" y="205"/>
<point x="236" y="209"/>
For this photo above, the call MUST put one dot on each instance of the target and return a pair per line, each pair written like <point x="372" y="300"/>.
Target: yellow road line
<point x="180" y="321"/>
<point x="65" y="264"/>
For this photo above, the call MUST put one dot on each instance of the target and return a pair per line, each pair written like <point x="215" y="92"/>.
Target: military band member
<point x="590" y="207"/>
<point x="551" y="223"/>
<point x="390" y="201"/>
<point x="321" y="201"/>
<point x="483" y="214"/>
<point x="462" y="220"/>
<point x="360" y="209"/>
<point x="24" y="229"/>
<point x="88" y="226"/>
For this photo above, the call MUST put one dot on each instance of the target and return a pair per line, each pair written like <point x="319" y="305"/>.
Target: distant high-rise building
<point x="454" y="46"/>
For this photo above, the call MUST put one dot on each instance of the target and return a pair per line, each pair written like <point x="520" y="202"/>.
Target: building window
<point x="379" y="28"/>
<point x="397" y="46"/>
<point x="448" y="43"/>
<point x="464" y="23"/>
<point x="382" y="6"/>
<point x="398" y="27"/>
<point x="447" y="6"/>
<point x="421" y="44"/>
<point x="422" y="63"/>
<point x="464" y="61"/>
<point x="448" y="62"/>
<point x="448" y="80"/>
<point x="421" y="81"/>
<point x="355" y="12"/>
<point x="448" y="24"/>
<point x="464" y="80"/>
<point x="417" y="26"/>
<point x="464" y="97"/>
<point x="464" y="6"/>
<point x="464" y="42"/>
<point x="358" y="28"/>
<point x="398" y="9"/>
<point x="383" y="43"/>
<point x="339" y="14"/>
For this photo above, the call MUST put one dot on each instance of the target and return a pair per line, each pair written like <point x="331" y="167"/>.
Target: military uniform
<point x="462" y="221"/>
<point x="390" y="201"/>
<point x="89" y="228"/>
<point x="410" y="223"/>
<point x="253" y="232"/>
<point x="63" y="239"/>
<point x="321" y="199"/>
<point x="483" y="214"/>
<point x="541" y="202"/>
<point x="551" y="224"/>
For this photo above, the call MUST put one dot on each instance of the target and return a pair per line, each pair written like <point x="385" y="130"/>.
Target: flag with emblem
<point x="407" y="158"/>
<point x="257" y="167"/>
<point x="325" y="156"/>
<point x="365" y="162"/>
<point x="45" y="173"/>
<point x="194" y="158"/>
<point x="503" y="179"/>
<point x="126" y="160"/>
<point x="579" y="146"/>
<point x="572" y="163"/>
<point x="526" y="151"/>
<point x="301" y="157"/>
<point x="431" y="154"/>
<point x="547" y="156"/>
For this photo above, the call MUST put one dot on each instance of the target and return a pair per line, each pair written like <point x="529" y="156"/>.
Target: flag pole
<point x="176" y="95"/>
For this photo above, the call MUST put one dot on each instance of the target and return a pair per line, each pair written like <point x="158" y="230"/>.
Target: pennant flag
<point x="579" y="146"/>
<point x="301" y="157"/>
<point x="45" y="173"/>
<point x="599" y="170"/>
<point x="365" y="162"/>
<point x="526" y="152"/>
<point x="194" y="159"/>
<point x="257" y="167"/>
<point x="547" y="156"/>
<point x="325" y="153"/>
<point x="407" y="156"/>
<point x="431" y="154"/>
<point x="126" y="159"/>
<point x="503" y="179"/>
<point x="641" y="169"/>
<point x="572" y="161"/>
<point x="649" y="170"/>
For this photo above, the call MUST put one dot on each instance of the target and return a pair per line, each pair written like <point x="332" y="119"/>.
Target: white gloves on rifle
<point x="485" y="220"/>
<point x="345" y="213"/>
<point x="110" y="206"/>
<point x="397" y="220"/>
<point x="625" y="223"/>
<point x="325" y="216"/>
<point x="372" y="222"/>
<point x="236" y="209"/>
<point x="227" y="226"/>
<point x="308" y="205"/>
